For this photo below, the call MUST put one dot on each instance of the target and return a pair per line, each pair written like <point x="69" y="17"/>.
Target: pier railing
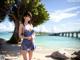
<point x="67" y="34"/>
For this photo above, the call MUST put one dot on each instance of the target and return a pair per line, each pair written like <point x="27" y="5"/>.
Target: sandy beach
<point x="41" y="52"/>
<point x="12" y="52"/>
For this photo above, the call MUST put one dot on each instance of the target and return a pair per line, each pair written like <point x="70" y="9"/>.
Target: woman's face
<point x="27" y="18"/>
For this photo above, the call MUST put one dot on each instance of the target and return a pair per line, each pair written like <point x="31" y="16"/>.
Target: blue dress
<point x="27" y="44"/>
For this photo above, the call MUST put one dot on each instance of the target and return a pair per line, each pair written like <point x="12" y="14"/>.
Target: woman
<point x="26" y="33"/>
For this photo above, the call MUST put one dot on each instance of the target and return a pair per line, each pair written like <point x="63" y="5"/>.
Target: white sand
<point x="39" y="53"/>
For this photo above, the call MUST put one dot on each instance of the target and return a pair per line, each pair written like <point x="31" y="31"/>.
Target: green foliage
<point x="5" y="6"/>
<point x="42" y="15"/>
<point x="18" y="7"/>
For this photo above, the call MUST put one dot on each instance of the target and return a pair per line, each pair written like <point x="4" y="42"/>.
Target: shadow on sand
<point x="8" y="49"/>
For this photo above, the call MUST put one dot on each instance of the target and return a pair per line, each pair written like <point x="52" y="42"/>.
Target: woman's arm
<point x="20" y="31"/>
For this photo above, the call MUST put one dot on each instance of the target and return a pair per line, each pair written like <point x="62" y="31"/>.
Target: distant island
<point x="42" y="33"/>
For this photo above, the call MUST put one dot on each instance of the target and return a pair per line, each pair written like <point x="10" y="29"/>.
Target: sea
<point x="50" y="41"/>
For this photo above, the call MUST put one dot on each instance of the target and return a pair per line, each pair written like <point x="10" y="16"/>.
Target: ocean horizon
<point x="50" y="41"/>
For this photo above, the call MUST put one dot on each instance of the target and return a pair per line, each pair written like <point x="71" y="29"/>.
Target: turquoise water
<point x="57" y="42"/>
<point x="51" y="41"/>
<point x="5" y="35"/>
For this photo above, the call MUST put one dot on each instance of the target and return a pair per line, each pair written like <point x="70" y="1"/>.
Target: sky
<point x="63" y="16"/>
<point x="6" y="25"/>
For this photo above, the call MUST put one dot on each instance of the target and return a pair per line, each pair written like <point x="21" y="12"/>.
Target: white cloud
<point x="41" y="28"/>
<point x="70" y="9"/>
<point x="57" y="29"/>
<point x="6" y="25"/>
<point x="37" y="29"/>
<point x="59" y="15"/>
<point x="67" y="27"/>
<point x="74" y="1"/>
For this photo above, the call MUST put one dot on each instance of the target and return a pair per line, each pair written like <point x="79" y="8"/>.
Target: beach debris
<point x="77" y="53"/>
<point x="77" y="57"/>
<point x="57" y="55"/>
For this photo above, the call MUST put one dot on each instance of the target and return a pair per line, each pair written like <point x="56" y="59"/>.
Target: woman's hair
<point x="27" y="13"/>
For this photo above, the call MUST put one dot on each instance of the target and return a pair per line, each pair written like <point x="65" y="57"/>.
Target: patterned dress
<point x="27" y="45"/>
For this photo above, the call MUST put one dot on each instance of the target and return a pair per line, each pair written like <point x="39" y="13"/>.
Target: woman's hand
<point x="29" y="38"/>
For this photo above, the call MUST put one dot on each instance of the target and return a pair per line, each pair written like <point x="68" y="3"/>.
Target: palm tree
<point x="15" y="10"/>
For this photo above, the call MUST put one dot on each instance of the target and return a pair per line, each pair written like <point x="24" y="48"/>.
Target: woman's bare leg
<point x="30" y="54"/>
<point x="24" y="54"/>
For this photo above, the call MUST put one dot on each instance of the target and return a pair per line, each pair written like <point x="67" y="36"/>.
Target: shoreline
<point x="39" y="53"/>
